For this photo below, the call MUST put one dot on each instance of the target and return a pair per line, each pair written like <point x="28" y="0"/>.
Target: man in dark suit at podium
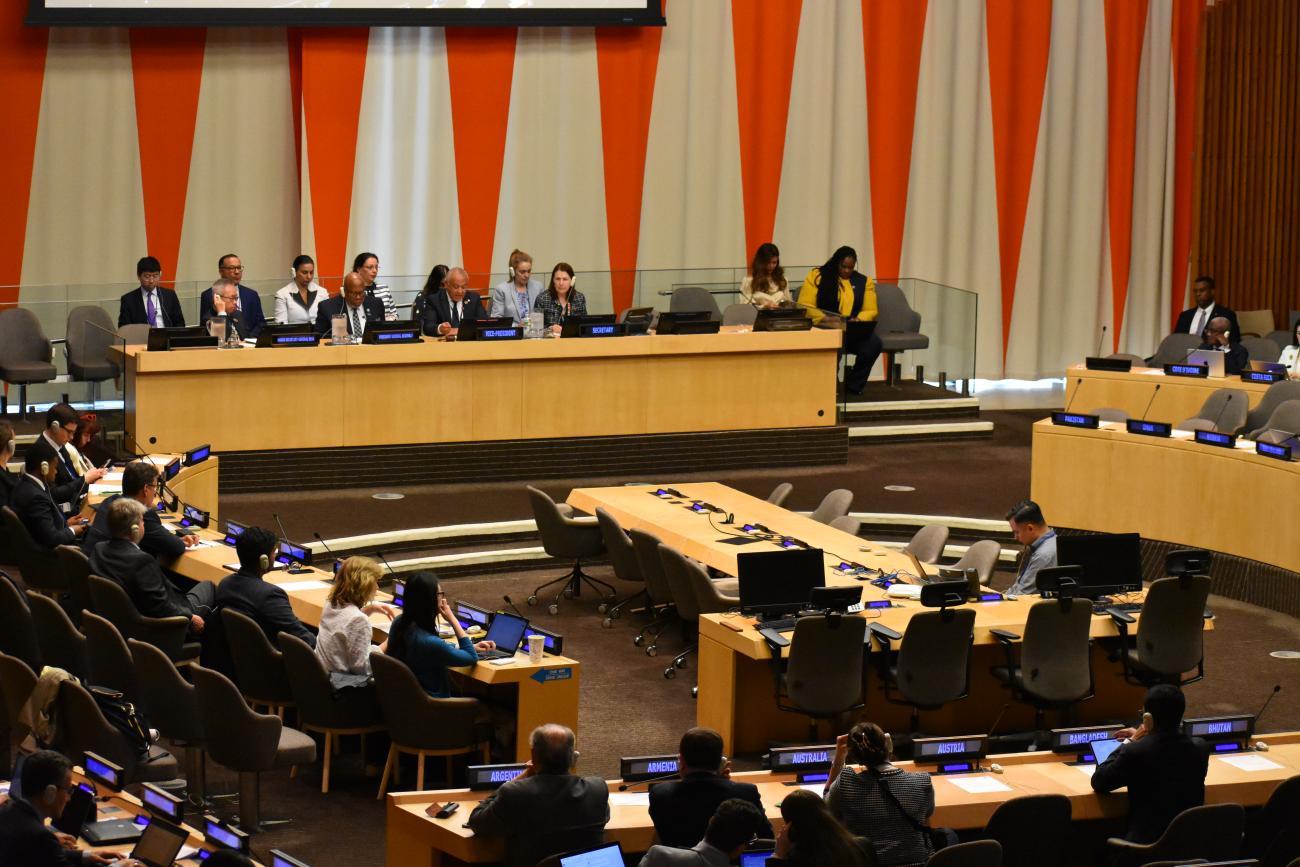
<point x="249" y="304"/>
<point x="358" y="305"/>
<point x="150" y="304"/>
<point x="451" y="305"/>
<point x="1195" y="319"/>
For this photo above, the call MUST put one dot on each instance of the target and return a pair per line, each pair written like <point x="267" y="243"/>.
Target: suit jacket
<point x="42" y="518"/>
<point x="132" y="310"/>
<point x="1165" y="774"/>
<point x="67" y="483"/>
<point x="8" y="481"/>
<point x="544" y="814"/>
<point x="505" y="299"/>
<point x="25" y="840"/>
<point x="438" y="310"/>
<point x="237" y="321"/>
<point x="250" y="306"/>
<point x="1236" y="357"/>
<point x="265" y="603"/>
<point x="700" y="855"/>
<point x="141" y="577"/>
<point x="681" y="809"/>
<point x="158" y="541"/>
<point x="330" y="308"/>
<point x="1188" y="316"/>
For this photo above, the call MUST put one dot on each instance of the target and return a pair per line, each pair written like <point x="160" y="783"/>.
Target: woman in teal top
<point x="414" y="636"/>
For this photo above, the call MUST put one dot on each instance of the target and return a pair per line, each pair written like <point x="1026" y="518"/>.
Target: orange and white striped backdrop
<point x="1035" y="151"/>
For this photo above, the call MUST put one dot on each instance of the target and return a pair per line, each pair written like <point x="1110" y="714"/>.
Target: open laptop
<point x="1211" y="358"/>
<point x="507" y="631"/>
<point x="160" y="844"/>
<point x="1268" y="367"/>
<point x="608" y="855"/>
<point x="918" y="569"/>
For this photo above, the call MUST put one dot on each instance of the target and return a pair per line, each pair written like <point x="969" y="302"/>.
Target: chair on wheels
<point x="1170" y="633"/>
<point x="982" y="557"/>
<point x="246" y="742"/>
<point x="933" y="663"/>
<point x="834" y="505"/>
<point x="622" y="555"/>
<point x="822" y="677"/>
<point x="259" y="667"/>
<point x="171" y="705"/>
<point x="353" y="711"/>
<point x="26" y="354"/>
<point x="780" y="494"/>
<point x="695" y="593"/>
<point x="40" y="566"/>
<point x="567" y="538"/>
<point x="168" y="634"/>
<point x="421" y="725"/>
<point x="1212" y="832"/>
<point x="62" y="646"/>
<point x="1055" y="670"/>
<point x="1032" y="829"/>
<point x="18" y="635"/>
<point x="83" y="728"/>
<point x="927" y="543"/>
<point x="977" y="853"/>
<point x="663" y="607"/>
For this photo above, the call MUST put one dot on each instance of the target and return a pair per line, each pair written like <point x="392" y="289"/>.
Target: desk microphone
<point x="650" y="782"/>
<point x="389" y="566"/>
<point x="1101" y="340"/>
<point x="1078" y="384"/>
<point x="513" y="607"/>
<point x="1222" y="410"/>
<point x="322" y="544"/>
<point x="994" y="727"/>
<point x="1149" y="402"/>
<point x="1276" y="690"/>
<point x="283" y="535"/>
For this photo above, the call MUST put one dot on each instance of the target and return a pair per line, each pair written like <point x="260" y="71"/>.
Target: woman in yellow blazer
<point x="837" y="296"/>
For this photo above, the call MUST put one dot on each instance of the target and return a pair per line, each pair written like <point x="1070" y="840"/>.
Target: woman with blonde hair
<point x="517" y="296"/>
<point x="344" y="641"/>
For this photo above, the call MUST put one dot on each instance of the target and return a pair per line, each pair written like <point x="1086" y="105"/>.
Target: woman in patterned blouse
<point x="561" y="300"/>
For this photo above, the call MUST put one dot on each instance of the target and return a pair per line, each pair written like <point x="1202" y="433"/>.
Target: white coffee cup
<point x="535" y="645"/>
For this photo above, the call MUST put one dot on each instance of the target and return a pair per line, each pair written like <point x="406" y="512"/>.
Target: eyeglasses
<point x="231" y="268"/>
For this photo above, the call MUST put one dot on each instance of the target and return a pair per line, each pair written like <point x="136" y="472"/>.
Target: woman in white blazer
<point x="297" y="302"/>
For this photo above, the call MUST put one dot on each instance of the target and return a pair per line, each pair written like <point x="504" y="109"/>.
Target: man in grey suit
<point x="517" y="297"/>
<point x="547" y="809"/>
<point x="733" y="827"/>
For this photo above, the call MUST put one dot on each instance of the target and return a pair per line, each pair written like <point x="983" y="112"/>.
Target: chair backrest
<point x="1211" y="831"/>
<point x="708" y="598"/>
<point x="1174" y="348"/>
<point x="646" y="546"/>
<point x="170" y="703"/>
<point x="17" y="680"/>
<point x="39" y="567"/>
<point x="894" y="313"/>
<point x="17" y="629"/>
<point x="739" y="314"/>
<point x="134" y="333"/>
<point x="110" y="659"/>
<point x="317" y="702"/>
<point x="824" y="672"/>
<point x="21" y="337"/>
<point x="1280" y="337"/>
<point x="982" y="557"/>
<point x="109" y="600"/>
<point x="1277" y="394"/>
<point x="1056" y="655"/>
<point x="677" y="569"/>
<point x="562" y="536"/>
<point x="1226" y="408"/>
<point x="1285" y="418"/>
<point x="977" y="853"/>
<point x="847" y="524"/>
<point x="1110" y="413"/>
<point x="245" y="740"/>
<point x="89" y="335"/>
<point x="1256" y="322"/>
<point x="934" y="656"/>
<point x="834" y="505"/>
<point x="259" y="665"/>
<point x="780" y="494"/>
<point x="62" y="646"/>
<point x="622" y="555"/>
<point x="927" y="543"/>
<point x="1170" y="631"/>
<point x="1277" y="816"/>
<point x="83" y="728"/>
<point x="76" y="572"/>
<point x="1261" y="348"/>
<point x="690" y="298"/>
<point x="416" y="719"/>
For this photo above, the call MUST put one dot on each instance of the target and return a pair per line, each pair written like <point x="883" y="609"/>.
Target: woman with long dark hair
<point x="766" y="285"/>
<point x="436" y="281"/>
<point x="561" y="300"/>
<point x="812" y="837"/>
<point x="837" y="296"/>
<point x="414" y="635"/>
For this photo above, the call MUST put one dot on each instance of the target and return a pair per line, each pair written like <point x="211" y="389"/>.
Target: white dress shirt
<point x="1201" y="319"/>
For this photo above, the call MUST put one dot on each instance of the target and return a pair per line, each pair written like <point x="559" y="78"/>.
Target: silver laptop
<point x="1211" y="358"/>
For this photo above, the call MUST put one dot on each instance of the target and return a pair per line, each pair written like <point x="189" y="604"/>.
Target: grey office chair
<point x="259" y="667"/>
<point x="1033" y="830"/>
<point x="1170" y="638"/>
<point x="16" y="684"/>
<point x="695" y="593"/>
<point x="898" y="326"/>
<point x="39" y="566"/>
<point x="1261" y="348"/>
<point x="662" y="604"/>
<point x="353" y="711"/>
<point x="1277" y="394"/>
<point x="75" y="567"/>
<point x="26" y="354"/>
<point x="1213" y="831"/>
<point x="822" y="677"/>
<point x="847" y="524"/>
<point x="927" y="543"/>
<point x="84" y="729"/>
<point x="568" y="538"/>
<point x="1110" y="413"/>
<point x="1224" y="410"/>
<point x="834" y="505"/>
<point x="246" y="742"/>
<point x="133" y="334"/>
<point x="166" y="633"/>
<point x="1137" y="360"/>
<point x="171" y="705"/>
<point x="622" y="556"/>
<point x="739" y="314"/>
<point x="17" y="628"/>
<point x="109" y="657"/>
<point x="1281" y="425"/>
<point x="421" y="725"/>
<point x="62" y="646"/>
<point x="1174" y="348"/>
<point x="780" y="494"/>
<point x="686" y="299"/>
<point x="1055" y="670"/>
<point x="90" y="333"/>
<point x="982" y="557"/>
<point x="977" y="853"/>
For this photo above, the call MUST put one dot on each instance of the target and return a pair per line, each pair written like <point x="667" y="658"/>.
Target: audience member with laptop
<point x="1217" y="337"/>
<point x="682" y="809"/>
<point x="1030" y="529"/>
<point x="414" y="637"/>
<point x="732" y="826"/>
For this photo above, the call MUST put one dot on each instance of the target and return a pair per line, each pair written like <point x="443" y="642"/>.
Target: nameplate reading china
<point x="1198" y="371"/>
<point x="1214" y="438"/>
<point x="1076" y="419"/>
<point x="1149" y="428"/>
<point x="1268" y="376"/>
<point x="1273" y="450"/>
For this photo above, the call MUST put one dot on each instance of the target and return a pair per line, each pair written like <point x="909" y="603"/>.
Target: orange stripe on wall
<point x="481" y="67"/>
<point x="627" y="60"/>
<point x="22" y="75"/>
<point x="892" y="33"/>
<point x="1187" y="27"/>
<point x="167" y="72"/>
<point x="763" y="77"/>
<point x="1019" y="39"/>
<point x="333" y="72"/>
<point x="1126" y="22"/>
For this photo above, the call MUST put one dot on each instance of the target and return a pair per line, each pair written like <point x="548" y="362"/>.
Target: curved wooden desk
<point x="1179" y="398"/>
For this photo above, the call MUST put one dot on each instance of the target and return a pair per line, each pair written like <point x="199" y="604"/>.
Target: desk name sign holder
<point x="379" y="334"/>
<point x="1076" y="419"/>
<point x="1118" y="365"/>
<point x="1215" y="438"/>
<point x="603" y="329"/>
<point x="809" y="764"/>
<point x="224" y="835"/>
<point x="1276" y="451"/>
<point x="1079" y="740"/>
<point x="485" y="778"/>
<point x="639" y="769"/>
<point x="955" y="755"/>
<point x="1225" y="734"/>
<point x="1195" y="371"/>
<point x="1265" y="376"/>
<point x="513" y="332"/>
<point x="1145" y="428"/>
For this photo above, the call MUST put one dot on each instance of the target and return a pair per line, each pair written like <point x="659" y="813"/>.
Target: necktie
<point x="1198" y="325"/>
<point x="356" y="323"/>
<point x="455" y="315"/>
<point x="150" y="309"/>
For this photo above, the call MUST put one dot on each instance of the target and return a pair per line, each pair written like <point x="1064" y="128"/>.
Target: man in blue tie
<point x="150" y="304"/>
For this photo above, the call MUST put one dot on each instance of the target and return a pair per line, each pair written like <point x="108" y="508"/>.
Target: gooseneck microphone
<point x="322" y="543"/>
<point x="280" y="524"/>
<point x="1151" y="401"/>
<point x="1276" y="690"/>
<point x="1222" y="410"/>
<point x="1101" y="340"/>
<point x="389" y="566"/>
<point x="513" y="607"/>
<point x="1078" y="384"/>
<point x="650" y="782"/>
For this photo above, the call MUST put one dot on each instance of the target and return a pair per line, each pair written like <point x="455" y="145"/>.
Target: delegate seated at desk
<point x="140" y="481"/>
<point x="227" y="310"/>
<point x="150" y="304"/>
<point x="414" y="638"/>
<point x="69" y="485"/>
<point x="560" y="300"/>
<point x="451" y="305"/>
<point x="358" y="308"/>
<point x="732" y="827"/>
<point x="517" y="297"/>
<point x="246" y="592"/>
<point x="1030" y="529"/>
<point x="837" y="292"/>
<point x="34" y="504"/>
<point x="1220" y="338"/>
<point x="298" y="302"/>
<point x="681" y="809"/>
<point x="249" y="304"/>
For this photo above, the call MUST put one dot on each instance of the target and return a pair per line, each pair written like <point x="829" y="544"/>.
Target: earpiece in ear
<point x="45" y="468"/>
<point x="264" y="563"/>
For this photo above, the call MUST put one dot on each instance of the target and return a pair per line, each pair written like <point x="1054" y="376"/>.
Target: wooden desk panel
<point x="1179" y="397"/>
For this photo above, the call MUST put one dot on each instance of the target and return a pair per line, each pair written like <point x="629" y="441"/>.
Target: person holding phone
<point x="1218" y="336"/>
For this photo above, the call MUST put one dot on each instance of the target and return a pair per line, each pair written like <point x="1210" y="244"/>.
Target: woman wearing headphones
<point x="414" y="639"/>
<point x="517" y="296"/>
<point x="437" y="280"/>
<point x="766" y="287"/>
<point x="296" y="303"/>
<point x="561" y="300"/>
<point x="366" y="266"/>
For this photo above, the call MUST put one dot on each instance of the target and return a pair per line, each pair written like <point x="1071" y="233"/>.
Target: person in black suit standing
<point x="1163" y="768"/>
<point x="150" y="304"/>
<point x="61" y="422"/>
<point x="35" y="506"/>
<point x="249" y="304"/>
<point x="120" y="559"/>
<point x="247" y="593"/>
<point x="25" y="839"/>
<point x="355" y="303"/>
<point x="451" y="305"/>
<point x="1194" y="320"/>
<point x="681" y="809"/>
<point x="140" y="483"/>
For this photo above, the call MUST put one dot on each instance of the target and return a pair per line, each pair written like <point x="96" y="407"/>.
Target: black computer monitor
<point x="1111" y="562"/>
<point x="773" y="583"/>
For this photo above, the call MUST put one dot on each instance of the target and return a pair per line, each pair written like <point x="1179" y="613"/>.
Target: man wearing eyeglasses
<point x="150" y="304"/>
<point x="25" y="839"/>
<point x="248" y="305"/>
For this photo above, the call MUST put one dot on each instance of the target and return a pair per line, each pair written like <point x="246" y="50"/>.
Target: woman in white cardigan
<point x="344" y="641"/>
<point x="766" y="285"/>
<point x="1291" y="353"/>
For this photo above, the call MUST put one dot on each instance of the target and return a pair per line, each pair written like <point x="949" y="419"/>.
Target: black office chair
<point x="1188" y="561"/>
<point x="1169" y="641"/>
<point x="1055" y="670"/>
<point x="110" y="661"/>
<point x="171" y="705"/>
<point x="1212" y="832"/>
<point x="822" y="676"/>
<point x="39" y="566"/>
<point x="932" y="667"/>
<point x="568" y="538"/>
<point x="1033" y="830"/>
<point x="622" y="556"/>
<point x="17" y="629"/>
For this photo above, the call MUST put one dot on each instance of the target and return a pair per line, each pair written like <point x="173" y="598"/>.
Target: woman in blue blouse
<point x="414" y="636"/>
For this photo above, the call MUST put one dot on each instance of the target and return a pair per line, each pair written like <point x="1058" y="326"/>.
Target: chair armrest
<point x="1120" y="845"/>
<point x="165" y="633"/>
<point x="884" y="632"/>
<point x="1121" y="618"/>
<point x="565" y="509"/>
<point x="1004" y="635"/>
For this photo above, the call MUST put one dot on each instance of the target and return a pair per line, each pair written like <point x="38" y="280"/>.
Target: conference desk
<point x="736" y="688"/>
<point x="418" y="840"/>
<point x="437" y="391"/>
<point x="1179" y="397"/>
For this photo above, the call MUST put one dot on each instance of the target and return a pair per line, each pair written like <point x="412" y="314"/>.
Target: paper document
<point x="98" y="488"/>
<point x="629" y="799"/>
<point x="1249" y="762"/>
<point x="289" y="586"/>
<point x="980" y="785"/>
<point x="815" y="788"/>
<point x="1086" y="770"/>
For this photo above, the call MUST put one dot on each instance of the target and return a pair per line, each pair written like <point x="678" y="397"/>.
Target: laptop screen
<point x="779" y="580"/>
<point x="603" y="856"/>
<point x="1103" y="749"/>
<point x="159" y="844"/>
<point x="755" y="859"/>
<point x="507" y="631"/>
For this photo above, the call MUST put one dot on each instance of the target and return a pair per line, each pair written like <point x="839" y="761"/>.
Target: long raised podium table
<point x="1134" y="391"/>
